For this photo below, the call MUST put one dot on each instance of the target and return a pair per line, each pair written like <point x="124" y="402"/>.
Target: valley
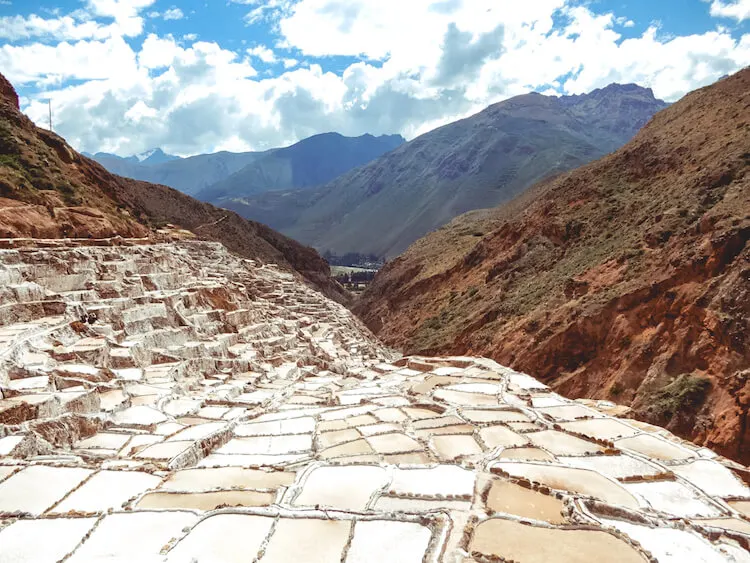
<point x="377" y="195"/>
<point x="478" y="162"/>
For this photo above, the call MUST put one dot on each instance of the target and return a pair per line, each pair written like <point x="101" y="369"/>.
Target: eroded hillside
<point x="627" y="279"/>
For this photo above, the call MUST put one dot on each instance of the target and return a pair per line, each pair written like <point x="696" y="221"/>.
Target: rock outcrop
<point x="8" y="93"/>
<point x="628" y="279"/>
<point x="173" y="402"/>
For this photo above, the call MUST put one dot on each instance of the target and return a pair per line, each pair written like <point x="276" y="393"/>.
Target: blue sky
<point x="197" y="76"/>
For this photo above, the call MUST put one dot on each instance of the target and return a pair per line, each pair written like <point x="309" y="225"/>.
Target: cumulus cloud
<point x="736" y="9"/>
<point x="173" y="14"/>
<point x="80" y="24"/>
<point x="405" y="77"/>
<point x="463" y="56"/>
<point x="264" y="10"/>
<point x="263" y="53"/>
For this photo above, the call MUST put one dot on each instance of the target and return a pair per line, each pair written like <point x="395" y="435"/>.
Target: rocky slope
<point x="311" y="162"/>
<point x="474" y="163"/>
<point x="47" y="190"/>
<point x="627" y="279"/>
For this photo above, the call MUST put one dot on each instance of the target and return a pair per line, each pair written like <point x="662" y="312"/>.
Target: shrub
<point x="433" y="324"/>
<point x="685" y="394"/>
<point x="616" y="389"/>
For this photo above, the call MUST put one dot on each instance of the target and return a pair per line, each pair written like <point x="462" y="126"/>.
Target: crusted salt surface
<point x="224" y="538"/>
<point x="310" y="540"/>
<point x="219" y="410"/>
<point x="105" y="490"/>
<point x="8" y="444"/>
<point x="670" y="545"/>
<point x="348" y="487"/>
<point x="34" y="541"/>
<point x="440" y="480"/>
<point x="135" y="536"/>
<point x="396" y="542"/>
<point x="36" y="488"/>
<point x="673" y="498"/>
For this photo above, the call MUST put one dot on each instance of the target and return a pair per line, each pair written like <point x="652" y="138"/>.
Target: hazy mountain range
<point x="212" y="177"/>
<point x="311" y="162"/>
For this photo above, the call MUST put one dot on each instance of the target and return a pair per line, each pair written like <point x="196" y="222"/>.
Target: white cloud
<point x="264" y="10"/>
<point x="736" y="9"/>
<point x="118" y="9"/>
<point x="173" y="14"/>
<point x="462" y="56"/>
<point x="15" y="28"/>
<point x="83" y="60"/>
<point x="263" y="53"/>
<point x="80" y="24"/>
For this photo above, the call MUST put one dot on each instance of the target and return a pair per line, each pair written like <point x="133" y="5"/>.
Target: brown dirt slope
<point x="48" y="190"/>
<point x="627" y="279"/>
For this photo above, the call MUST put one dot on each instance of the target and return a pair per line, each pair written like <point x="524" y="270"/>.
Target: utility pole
<point x="49" y="101"/>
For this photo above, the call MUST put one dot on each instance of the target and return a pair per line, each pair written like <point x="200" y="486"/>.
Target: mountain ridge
<point x="308" y="163"/>
<point x="191" y="174"/>
<point x="476" y="162"/>
<point x="210" y="177"/>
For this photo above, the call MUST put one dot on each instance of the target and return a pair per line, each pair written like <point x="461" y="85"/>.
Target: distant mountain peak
<point x="148" y="154"/>
<point x="155" y="156"/>
<point x="616" y="89"/>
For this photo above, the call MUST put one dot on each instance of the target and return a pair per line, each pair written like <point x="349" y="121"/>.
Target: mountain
<point x="147" y="158"/>
<point x="188" y="175"/>
<point x="109" y="156"/>
<point x="155" y="156"/>
<point x="214" y="177"/>
<point x="474" y="163"/>
<point x="627" y="279"/>
<point x="47" y="190"/>
<point x="311" y="162"/>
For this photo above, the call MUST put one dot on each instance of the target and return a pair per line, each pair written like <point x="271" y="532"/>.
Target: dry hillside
<point x="627" y="279"/>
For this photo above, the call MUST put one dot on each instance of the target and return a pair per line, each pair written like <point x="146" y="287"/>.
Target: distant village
<point x="354" y="271"/>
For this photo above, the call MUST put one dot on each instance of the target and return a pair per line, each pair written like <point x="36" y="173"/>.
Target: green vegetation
<point x="69" y="195"/>
<point x="616" y="389"/>
<point x="11" y="161"/>
<point x="8" y="143"/>
<point x="685" y="394"/>
<point x="433" y="323"/>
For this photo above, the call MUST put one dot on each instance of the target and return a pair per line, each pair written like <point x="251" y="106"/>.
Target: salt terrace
<point x="172" y="402"/>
